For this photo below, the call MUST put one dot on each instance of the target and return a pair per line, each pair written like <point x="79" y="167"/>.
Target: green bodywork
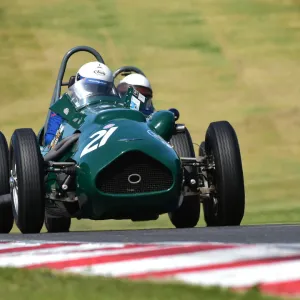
<point x="109" y="122"/>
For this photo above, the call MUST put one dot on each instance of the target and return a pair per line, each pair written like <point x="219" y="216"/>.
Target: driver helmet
<point x="98" y="78"/>
<point x="142" y="85"/>
<point x="139" y="82"/>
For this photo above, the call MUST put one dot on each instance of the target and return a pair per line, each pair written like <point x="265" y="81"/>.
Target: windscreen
<point x="89" y="91"/>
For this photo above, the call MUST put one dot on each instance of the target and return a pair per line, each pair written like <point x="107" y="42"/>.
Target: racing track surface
<point x="241" y="234"/>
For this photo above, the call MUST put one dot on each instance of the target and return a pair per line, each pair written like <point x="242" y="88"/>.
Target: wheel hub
<point x="13" y="181"/>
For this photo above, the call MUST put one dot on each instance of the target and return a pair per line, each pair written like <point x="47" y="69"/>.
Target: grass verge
<point x="41" y="284"/>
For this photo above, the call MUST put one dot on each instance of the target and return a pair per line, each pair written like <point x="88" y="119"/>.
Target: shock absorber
<point x="66" y="183"/>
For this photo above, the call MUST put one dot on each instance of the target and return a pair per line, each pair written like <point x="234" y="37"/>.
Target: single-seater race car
<point x="109" y="161"/>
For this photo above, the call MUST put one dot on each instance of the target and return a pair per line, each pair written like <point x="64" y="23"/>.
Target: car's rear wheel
<point x="27" y="188"/>
<point x="57" y="224"/>
<point x="227" y="204"/>
<point x="6" y="214"/>
<point x="187" y="215"/>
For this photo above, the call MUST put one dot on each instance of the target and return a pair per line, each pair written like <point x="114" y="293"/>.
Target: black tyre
<point x="183" y="144"/>
<point x="57" y="224"/>
<point x="187" y="215"/>
<point x="6" y="214"/>
<point x="27" y="189"/>
<point x="226" y="207"/>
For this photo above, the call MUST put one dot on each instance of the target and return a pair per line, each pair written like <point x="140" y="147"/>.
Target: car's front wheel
<point x="27" y="186"/>
<point x="6" y="215"/>
<point x="227" y="203"/>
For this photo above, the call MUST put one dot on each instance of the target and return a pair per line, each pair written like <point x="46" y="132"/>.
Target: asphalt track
<point x="242" y="234"/>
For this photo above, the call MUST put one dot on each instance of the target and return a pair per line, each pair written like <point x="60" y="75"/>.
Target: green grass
<point x="36" y="285"/>
<point x="220" y="59"/>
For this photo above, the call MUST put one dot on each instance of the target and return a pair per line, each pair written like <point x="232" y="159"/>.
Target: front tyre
<point x="187" y="215"/>
<point x="27" y="186"/>
<point x="227" y="204"/>
<point x="6" y="215"/>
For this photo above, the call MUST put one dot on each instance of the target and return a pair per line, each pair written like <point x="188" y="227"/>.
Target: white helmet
<point x="142" y="85"/>
<point x="137" y="80"/>
<point x="97" y="77"/>
<point x="95" y="70"/>
<point x="140" y="82"/>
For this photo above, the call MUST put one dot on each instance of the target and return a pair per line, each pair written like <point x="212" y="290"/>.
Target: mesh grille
<point x="148" y="174"/>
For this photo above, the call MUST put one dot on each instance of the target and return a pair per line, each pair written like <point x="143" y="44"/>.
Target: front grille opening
<point x="134" y="172"/>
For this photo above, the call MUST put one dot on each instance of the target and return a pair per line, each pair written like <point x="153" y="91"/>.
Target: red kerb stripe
<point x="282" y="288"/>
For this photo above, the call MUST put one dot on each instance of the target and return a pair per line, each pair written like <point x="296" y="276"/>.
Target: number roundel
<point x="102" y="135"/>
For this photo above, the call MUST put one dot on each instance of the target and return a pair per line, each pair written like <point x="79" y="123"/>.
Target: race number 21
<point x="102" y="136"/>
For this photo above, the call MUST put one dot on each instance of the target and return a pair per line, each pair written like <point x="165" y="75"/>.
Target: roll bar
<point x="59" y="81"/>
<point x="127" y="70"/>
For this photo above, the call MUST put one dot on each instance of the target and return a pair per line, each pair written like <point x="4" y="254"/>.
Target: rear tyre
<point x="187" y="215"/>
<point x="6" y="214"/>
<point x="27" y="186"/>
<point x="226" y="207"/>
<point x="57" y="224"/>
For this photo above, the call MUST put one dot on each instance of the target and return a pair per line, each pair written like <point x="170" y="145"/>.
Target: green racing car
<point x="109" y="161"/>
